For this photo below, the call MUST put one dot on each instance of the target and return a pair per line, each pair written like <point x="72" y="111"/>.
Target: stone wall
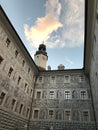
<point x="94" y="62"/>
<point x="17" y="79"/>
<point x="57" y="83"/>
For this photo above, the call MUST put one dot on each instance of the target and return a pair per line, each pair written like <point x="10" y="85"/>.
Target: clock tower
<point x="41" y="57"/>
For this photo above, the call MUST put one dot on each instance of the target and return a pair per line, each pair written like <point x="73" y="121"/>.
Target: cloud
<point x="68" y="61"/>
<point x="73" y="31"/>
<point x="62" y="25"/>
<point x="44" y="26"/>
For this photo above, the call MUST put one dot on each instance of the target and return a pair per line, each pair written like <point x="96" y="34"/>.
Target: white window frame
<point x="4" y="97"/>
<point x="51" y="116"/>
<point x="88" y="115"/>
<point x="38" y="113"/>
<point x="66" y="95"/>
<point x="86" y="97"/>
<point x="40" y="94"/>
<point x="81" y="78"/>
<point x="65" y="115"/>
<point x="68" y="80"/>
<point x="14" y="104"/>
<point x="52" y="96"/>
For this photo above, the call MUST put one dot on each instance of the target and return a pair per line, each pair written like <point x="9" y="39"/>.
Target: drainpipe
<point x="28" y="123"/>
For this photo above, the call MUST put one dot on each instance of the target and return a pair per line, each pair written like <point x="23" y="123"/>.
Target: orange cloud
<point x="44" y="26"/>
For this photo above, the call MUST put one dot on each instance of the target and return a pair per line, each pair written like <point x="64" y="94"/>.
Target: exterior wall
<point x="17" y="78"/>
<point x="49" y="108"/>
<point x="60" y="81"/>
<point x="94" y="62"/>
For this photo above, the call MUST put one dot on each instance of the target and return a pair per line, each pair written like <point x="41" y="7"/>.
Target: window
<point x="81" y="78"/>
<point x="25" y="87"/>
<point x="36" y="114"/>
<point x="67" y="115"/>
<point x="13" y="104"/>
<point x="23" y="63"/>
<point x="28" y="70"/>
<point x="67" y="95"/>
<point x="85" y="116"/>
<point x="7" y="42"/>
<point x="2" y="96"/>
<point x="83" y="94"/>
<point x="51" y="113"/>
<point x="67" y="79"/>
<point x="31" y="92"/>
<point x="28" y="89"/>
<point x="16" y="54"/>
<point x="40" y="79"/>
<point x="53" y="78"/>
<point x="21" y="107"/>
<point x="19" y="78"/>
<point x="27" y="113"/>
<point x="51" y="94"/>
<point x="1" y="59"/>
<point x="38" y="95"/>
<point x="10" y="71"/>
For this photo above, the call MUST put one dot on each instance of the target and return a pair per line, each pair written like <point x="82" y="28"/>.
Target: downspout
<point x="28" y="123"/>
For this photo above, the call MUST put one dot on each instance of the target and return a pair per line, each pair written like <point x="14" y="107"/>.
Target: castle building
<point x="33" y="98"/>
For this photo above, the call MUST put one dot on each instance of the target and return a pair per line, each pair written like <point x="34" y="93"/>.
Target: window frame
<point x="67" y="95"/>
<point x="83" y="96"/>
<point x="67" y="118"/>
<point x="37" y="114"/>
<point x="3" y="101"/>
<point x="88" y="118"/>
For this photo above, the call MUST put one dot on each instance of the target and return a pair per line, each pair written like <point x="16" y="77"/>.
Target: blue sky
<point x="59" y="23"/>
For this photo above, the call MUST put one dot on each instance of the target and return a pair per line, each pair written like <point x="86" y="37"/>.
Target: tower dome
<point x="41" y="50"/>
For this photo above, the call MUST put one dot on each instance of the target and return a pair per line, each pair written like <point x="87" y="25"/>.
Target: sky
<point x="59" y="23"/>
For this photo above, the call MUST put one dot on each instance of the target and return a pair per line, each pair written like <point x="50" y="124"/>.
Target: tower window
<point x="68" y="115"/>
<point x="8" y="42"/>
<point x="67" y="95"/>
<point x="16" y="54"/>
<point x="13" y="104"/>
<point x="36" y="114"/>
<point x="2" y="96"/>
<point x="10" y="71"/>
<point x="1" y="59"/>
